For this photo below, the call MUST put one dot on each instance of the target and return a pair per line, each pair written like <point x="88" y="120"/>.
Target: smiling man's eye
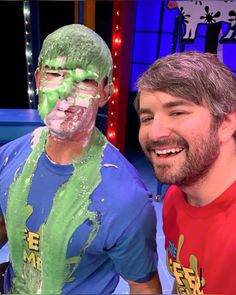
<point x="145" y="119"/>
<point x="178" y="113"/>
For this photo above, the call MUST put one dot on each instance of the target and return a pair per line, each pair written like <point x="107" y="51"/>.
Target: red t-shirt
<point x="200" y="242"/>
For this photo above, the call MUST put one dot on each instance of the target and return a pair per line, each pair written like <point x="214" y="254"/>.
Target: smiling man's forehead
<point x="166" y="99"/>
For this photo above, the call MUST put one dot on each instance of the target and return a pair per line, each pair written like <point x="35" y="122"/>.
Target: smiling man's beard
<point x="199" y="158"/>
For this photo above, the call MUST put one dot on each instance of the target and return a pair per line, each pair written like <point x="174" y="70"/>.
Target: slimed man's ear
<point x="107" y="93"/>
<point x="37" y="76"/>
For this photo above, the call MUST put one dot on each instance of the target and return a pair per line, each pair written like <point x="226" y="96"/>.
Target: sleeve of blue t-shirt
<point x="10" y="155"/>
<point x="135" y="254"/>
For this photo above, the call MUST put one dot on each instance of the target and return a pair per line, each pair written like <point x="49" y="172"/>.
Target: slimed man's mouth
<point x="75" y="109"/>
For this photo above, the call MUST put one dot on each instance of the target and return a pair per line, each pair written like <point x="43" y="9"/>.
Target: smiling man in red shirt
<point x="187" y="108"/>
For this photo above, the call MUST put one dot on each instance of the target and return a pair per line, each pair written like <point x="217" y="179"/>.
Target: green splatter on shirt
<point x="71" y="199"/>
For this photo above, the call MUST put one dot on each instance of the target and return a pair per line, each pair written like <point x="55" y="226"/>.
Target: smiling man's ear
<point x="105" y="94"/>
<point x="228" y="127"/>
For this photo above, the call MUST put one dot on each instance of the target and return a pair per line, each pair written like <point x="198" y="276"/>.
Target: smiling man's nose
<point x="159" y="129"/>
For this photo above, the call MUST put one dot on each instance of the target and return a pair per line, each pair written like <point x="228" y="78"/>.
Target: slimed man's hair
<point x="78" y="46"/>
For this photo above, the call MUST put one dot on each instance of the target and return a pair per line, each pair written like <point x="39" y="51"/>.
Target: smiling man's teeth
<point x="168" y="151"/>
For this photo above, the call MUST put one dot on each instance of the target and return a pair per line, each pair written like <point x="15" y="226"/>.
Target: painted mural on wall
<point x="206" y="12"/>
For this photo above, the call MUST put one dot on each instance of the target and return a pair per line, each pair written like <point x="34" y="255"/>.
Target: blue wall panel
<point x="229" y="55"/>
<point x="147" y="15"/>
<point x="145" y="45"/>
<point x="166" y="41"/>
<point x="169" y="19"/>
<point x="154" y="35"/>
<point x="198" y="45"/>
<point x="137" y="70"/>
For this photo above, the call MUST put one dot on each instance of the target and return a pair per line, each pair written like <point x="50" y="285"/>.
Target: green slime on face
<point x="71" y="200"/>
<point x="71" y="47"/>
<point x="49" y="97"/>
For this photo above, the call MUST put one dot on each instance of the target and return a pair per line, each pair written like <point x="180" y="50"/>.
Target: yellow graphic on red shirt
<point x="188" y="280"/>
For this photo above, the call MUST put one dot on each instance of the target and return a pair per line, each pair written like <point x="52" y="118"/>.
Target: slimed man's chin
<point x="56" y="130"/>
<point x="58" y="135"/>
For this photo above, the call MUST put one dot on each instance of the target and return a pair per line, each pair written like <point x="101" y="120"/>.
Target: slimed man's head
<point x="76" y="46"/>
<point x="74" y="79"/>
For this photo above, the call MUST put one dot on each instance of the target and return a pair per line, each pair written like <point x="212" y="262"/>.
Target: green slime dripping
<point x="72" y="199"/>
<point x="49" y="97"/>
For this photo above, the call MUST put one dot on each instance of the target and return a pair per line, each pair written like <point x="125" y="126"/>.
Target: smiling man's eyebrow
<point x="168" y="105"/>
<point x="176" y="103"/>
<point x="144" y="111"/>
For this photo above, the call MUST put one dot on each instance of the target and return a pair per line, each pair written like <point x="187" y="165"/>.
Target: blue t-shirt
<point x="125" y="241"/>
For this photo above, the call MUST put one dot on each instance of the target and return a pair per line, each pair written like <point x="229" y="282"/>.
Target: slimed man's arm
<point x="3" y="240"/>
<point x="174" y="290"/>
<point x="3" y="232"/>
<point x="153" y="286"/>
